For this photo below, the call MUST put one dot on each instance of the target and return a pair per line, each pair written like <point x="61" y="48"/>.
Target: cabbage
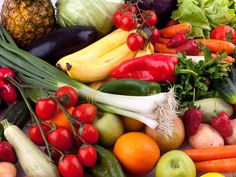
<point x="205" y="14"/>
<point x="93" y="13"/>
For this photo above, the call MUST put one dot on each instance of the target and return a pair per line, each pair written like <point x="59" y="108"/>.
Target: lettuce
<point x="205" y="14"/>
<point x="93" y="13"/>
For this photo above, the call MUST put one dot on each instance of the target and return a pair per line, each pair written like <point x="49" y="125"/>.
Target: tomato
<point x="6" y="71"/>
<point x="8" y="92"/>
<point x="87" y="155"/>
<point x="85" y="113"/>
<point x="61" y="138"/>
<point x="54" y="153"/>
<point x="130" y="8"/>
<point x="149" y="17"/>
<point x="35" y="134"/>
<point x="70" y="166"/>
<point x="155" y="36"/>
<point x="116" y="18"/>
<point x="88" y="133"/>
<point x="135" y="41"/>
<point x="224" y="32"/>
<point x="67" y="96"/>
<point x="127" y="21"/>
<point x="46" y="108"/>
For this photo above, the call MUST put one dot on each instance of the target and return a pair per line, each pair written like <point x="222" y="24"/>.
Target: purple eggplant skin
<point x="62" y="42"/>
<point x="163" y="9"/>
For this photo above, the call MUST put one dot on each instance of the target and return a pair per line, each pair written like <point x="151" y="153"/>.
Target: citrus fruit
<point x="212" y="175"/>
<point x="137" y="152"/>
<point x="131" y="124"/>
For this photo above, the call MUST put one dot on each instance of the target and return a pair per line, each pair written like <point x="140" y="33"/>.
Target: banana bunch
<point x="98" y="60"/>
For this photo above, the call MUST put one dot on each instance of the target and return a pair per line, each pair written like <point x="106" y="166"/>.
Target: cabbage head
<point x="93" y="13"/>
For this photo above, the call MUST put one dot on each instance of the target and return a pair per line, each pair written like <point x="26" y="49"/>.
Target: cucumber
<point x="17" y="114"/>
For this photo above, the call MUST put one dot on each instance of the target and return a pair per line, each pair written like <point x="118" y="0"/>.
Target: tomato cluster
<point x="8" y="92"/>
<point x="225" y="33"/>
<point x="61" y="140"/>
<point x="130" y="17"/>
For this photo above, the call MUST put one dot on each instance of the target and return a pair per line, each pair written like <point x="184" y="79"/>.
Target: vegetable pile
<point x="117" y="83"/>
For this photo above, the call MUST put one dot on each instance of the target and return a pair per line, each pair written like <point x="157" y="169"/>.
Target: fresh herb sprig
<point x="190" y="88"/>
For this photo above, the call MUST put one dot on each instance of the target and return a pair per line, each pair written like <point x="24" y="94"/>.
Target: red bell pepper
<point x="153" y="67"/>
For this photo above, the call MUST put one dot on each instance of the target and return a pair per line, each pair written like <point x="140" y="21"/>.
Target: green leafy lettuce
<point x="205" y="14"/>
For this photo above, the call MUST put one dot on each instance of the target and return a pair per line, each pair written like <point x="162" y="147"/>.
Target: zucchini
<point x="17" y="114"/>
<point x="62" y="42"/>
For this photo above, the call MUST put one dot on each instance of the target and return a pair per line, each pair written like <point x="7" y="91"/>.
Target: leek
<point x="156" y="111"/>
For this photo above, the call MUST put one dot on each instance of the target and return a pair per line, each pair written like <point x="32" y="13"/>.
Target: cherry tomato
<point x="55" y="154"/>
<point x="135" y="41"/>
<point x="35" y="134"/>
<point x="127" y="21"/>
<point x="224" y="32"/>
<point x="8" y="92"/>
<point x="46" y="108"/>
<point x="149" y="17"/>
<point x="70" y="166"/>
<point x="87" y="155"/>
<point x="6" y="71"/>
<point x="85" y="113"/>
<point x="88" y="133"/>
<point x="7" y="152"/>
<point x="116" y="18"/>
<point x="61" y="138"/>
<point x="130" y="8"/>
<point x="155" y="36"/>
<point x="67" y="96"/>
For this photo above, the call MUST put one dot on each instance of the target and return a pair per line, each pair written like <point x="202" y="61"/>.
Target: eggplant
<point x="62" y="42"/>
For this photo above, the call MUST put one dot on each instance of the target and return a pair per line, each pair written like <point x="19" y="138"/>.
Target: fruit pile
<point x="131" y="89"/>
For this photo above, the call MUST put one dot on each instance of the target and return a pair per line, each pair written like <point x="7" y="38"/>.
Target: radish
<point x="34" y="162"/>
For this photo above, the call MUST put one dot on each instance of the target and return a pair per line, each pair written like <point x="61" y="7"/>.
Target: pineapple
<point x="27" y="20"/>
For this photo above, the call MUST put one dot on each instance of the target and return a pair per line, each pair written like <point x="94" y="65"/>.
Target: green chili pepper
<point x="131" y="87"/>
<point x="107" y="165"/>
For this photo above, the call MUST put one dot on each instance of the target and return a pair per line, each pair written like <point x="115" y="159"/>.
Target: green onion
<point x="156" y="111"/>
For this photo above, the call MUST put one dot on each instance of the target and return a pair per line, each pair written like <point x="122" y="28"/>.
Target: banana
<point x="97" y="49"/>
<point x="99" y="68"/>
<point x="149" y="49"/>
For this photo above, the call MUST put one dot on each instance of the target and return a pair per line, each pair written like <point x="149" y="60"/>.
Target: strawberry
<point x="222" y="124"/>
<point x="192" y="119"/>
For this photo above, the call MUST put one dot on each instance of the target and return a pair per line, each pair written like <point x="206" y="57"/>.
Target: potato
<point x="210" y="107"/>
<point x="7" y="169"/>
<point x="205" y="137"/>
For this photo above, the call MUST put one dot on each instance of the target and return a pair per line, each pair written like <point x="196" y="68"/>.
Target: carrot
<point x="220" y="165"/>
<point x="60" y="119"/>
<point x="163" y="40"/>
<point x="162" y="48"/>
<point x="217" y="46"/>
<point x="227" y="59"/>
<point x="170" y="31"/>
<point x="212" y="153"/>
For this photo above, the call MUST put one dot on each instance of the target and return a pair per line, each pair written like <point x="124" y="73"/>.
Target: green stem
<point x="186" y="71"/>
<point x="15" y="83"/>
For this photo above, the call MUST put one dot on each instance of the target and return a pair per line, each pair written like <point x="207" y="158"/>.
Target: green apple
<point x="110" y="128"/>
<point x="175" y="163"/>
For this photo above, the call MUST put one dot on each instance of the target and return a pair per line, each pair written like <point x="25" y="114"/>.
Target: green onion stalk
<point x="38" y="78"/>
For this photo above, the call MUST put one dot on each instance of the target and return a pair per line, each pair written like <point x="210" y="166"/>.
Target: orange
<point x="137" y="152"/>
<point x="131" y="124"/>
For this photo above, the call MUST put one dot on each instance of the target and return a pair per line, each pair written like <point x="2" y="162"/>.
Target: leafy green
<point x="205" y="14"/>
<point x="190" y="87"/>
<point x="87" y="13"/>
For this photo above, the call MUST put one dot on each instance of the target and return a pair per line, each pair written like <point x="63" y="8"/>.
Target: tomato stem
<point x="18" y="86"/>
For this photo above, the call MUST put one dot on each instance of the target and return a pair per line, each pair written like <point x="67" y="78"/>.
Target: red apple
<point x="168" y="143"/>
<point x="232" y="139"/>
